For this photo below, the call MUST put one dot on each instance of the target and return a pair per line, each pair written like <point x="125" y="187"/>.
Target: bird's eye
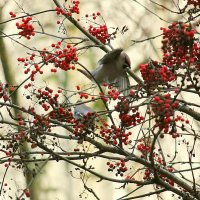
<point x="126" y="64"/>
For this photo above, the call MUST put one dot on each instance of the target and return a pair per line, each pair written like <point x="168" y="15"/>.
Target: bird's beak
<point x="127" y="62"/>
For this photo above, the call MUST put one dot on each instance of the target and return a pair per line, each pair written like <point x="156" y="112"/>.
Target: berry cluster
<point x="62" y="114"/>
<point x="169" y="181"/>
<point x="98" y="28"/>
<point x="12" y="14"/>
<point x="46" y="98"/>
<point x="41" y="123"/>
<point x="123" y="106"/>
<point x="155" y="73"/>
<point x="178" y="40"/>
<point x="28" y="63"/>
<point x="120" y="166"/>
<point x="148" y="175"/>
<point x="94" y="15"/>
<point x="74" y="8"/>
<point x="163" y="108"/>
<point x="128" y="116"/>
<point x="49" y="100"/>
<point x="131" y="119"/>
<point x="144" y="146"/>
<point x="100" y="32"/>
<point x="103" y="97"/>
<point x="83" y="95"/>
<point x="26" y="27"/>
<point x="21" y="136"/>
<point x="115" y="135"/>
<point x="82" y="125"/>
<point x="194" y="3"/>
<point x="4" y="92"/>
<point x="113" y="94"/>
<point x="62" y="58"/>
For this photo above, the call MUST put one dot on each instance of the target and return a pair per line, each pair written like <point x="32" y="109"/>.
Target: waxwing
<point x="111" y="69"/>
<point x="84" y="115"/>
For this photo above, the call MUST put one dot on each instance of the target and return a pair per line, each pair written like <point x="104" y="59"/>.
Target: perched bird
<point x="111" y="69"/>
<point x="84" y="115"/>
<point x="81" y="110"/>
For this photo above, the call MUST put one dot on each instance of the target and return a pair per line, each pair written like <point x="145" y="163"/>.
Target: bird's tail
<point x="124" y="84"/>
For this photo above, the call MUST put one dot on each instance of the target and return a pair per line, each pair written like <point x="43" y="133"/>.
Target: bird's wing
<point x="99" y="73"/>
<point x="123" y="84"/>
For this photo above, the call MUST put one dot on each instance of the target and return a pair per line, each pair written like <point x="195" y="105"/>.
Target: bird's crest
<point x="110" y="56"/>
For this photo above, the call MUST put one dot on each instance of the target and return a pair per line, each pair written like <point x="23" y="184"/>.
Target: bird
<point x="81" y="110"/>
<point x="85" y="115"/>
<point x="111" y="70"/>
